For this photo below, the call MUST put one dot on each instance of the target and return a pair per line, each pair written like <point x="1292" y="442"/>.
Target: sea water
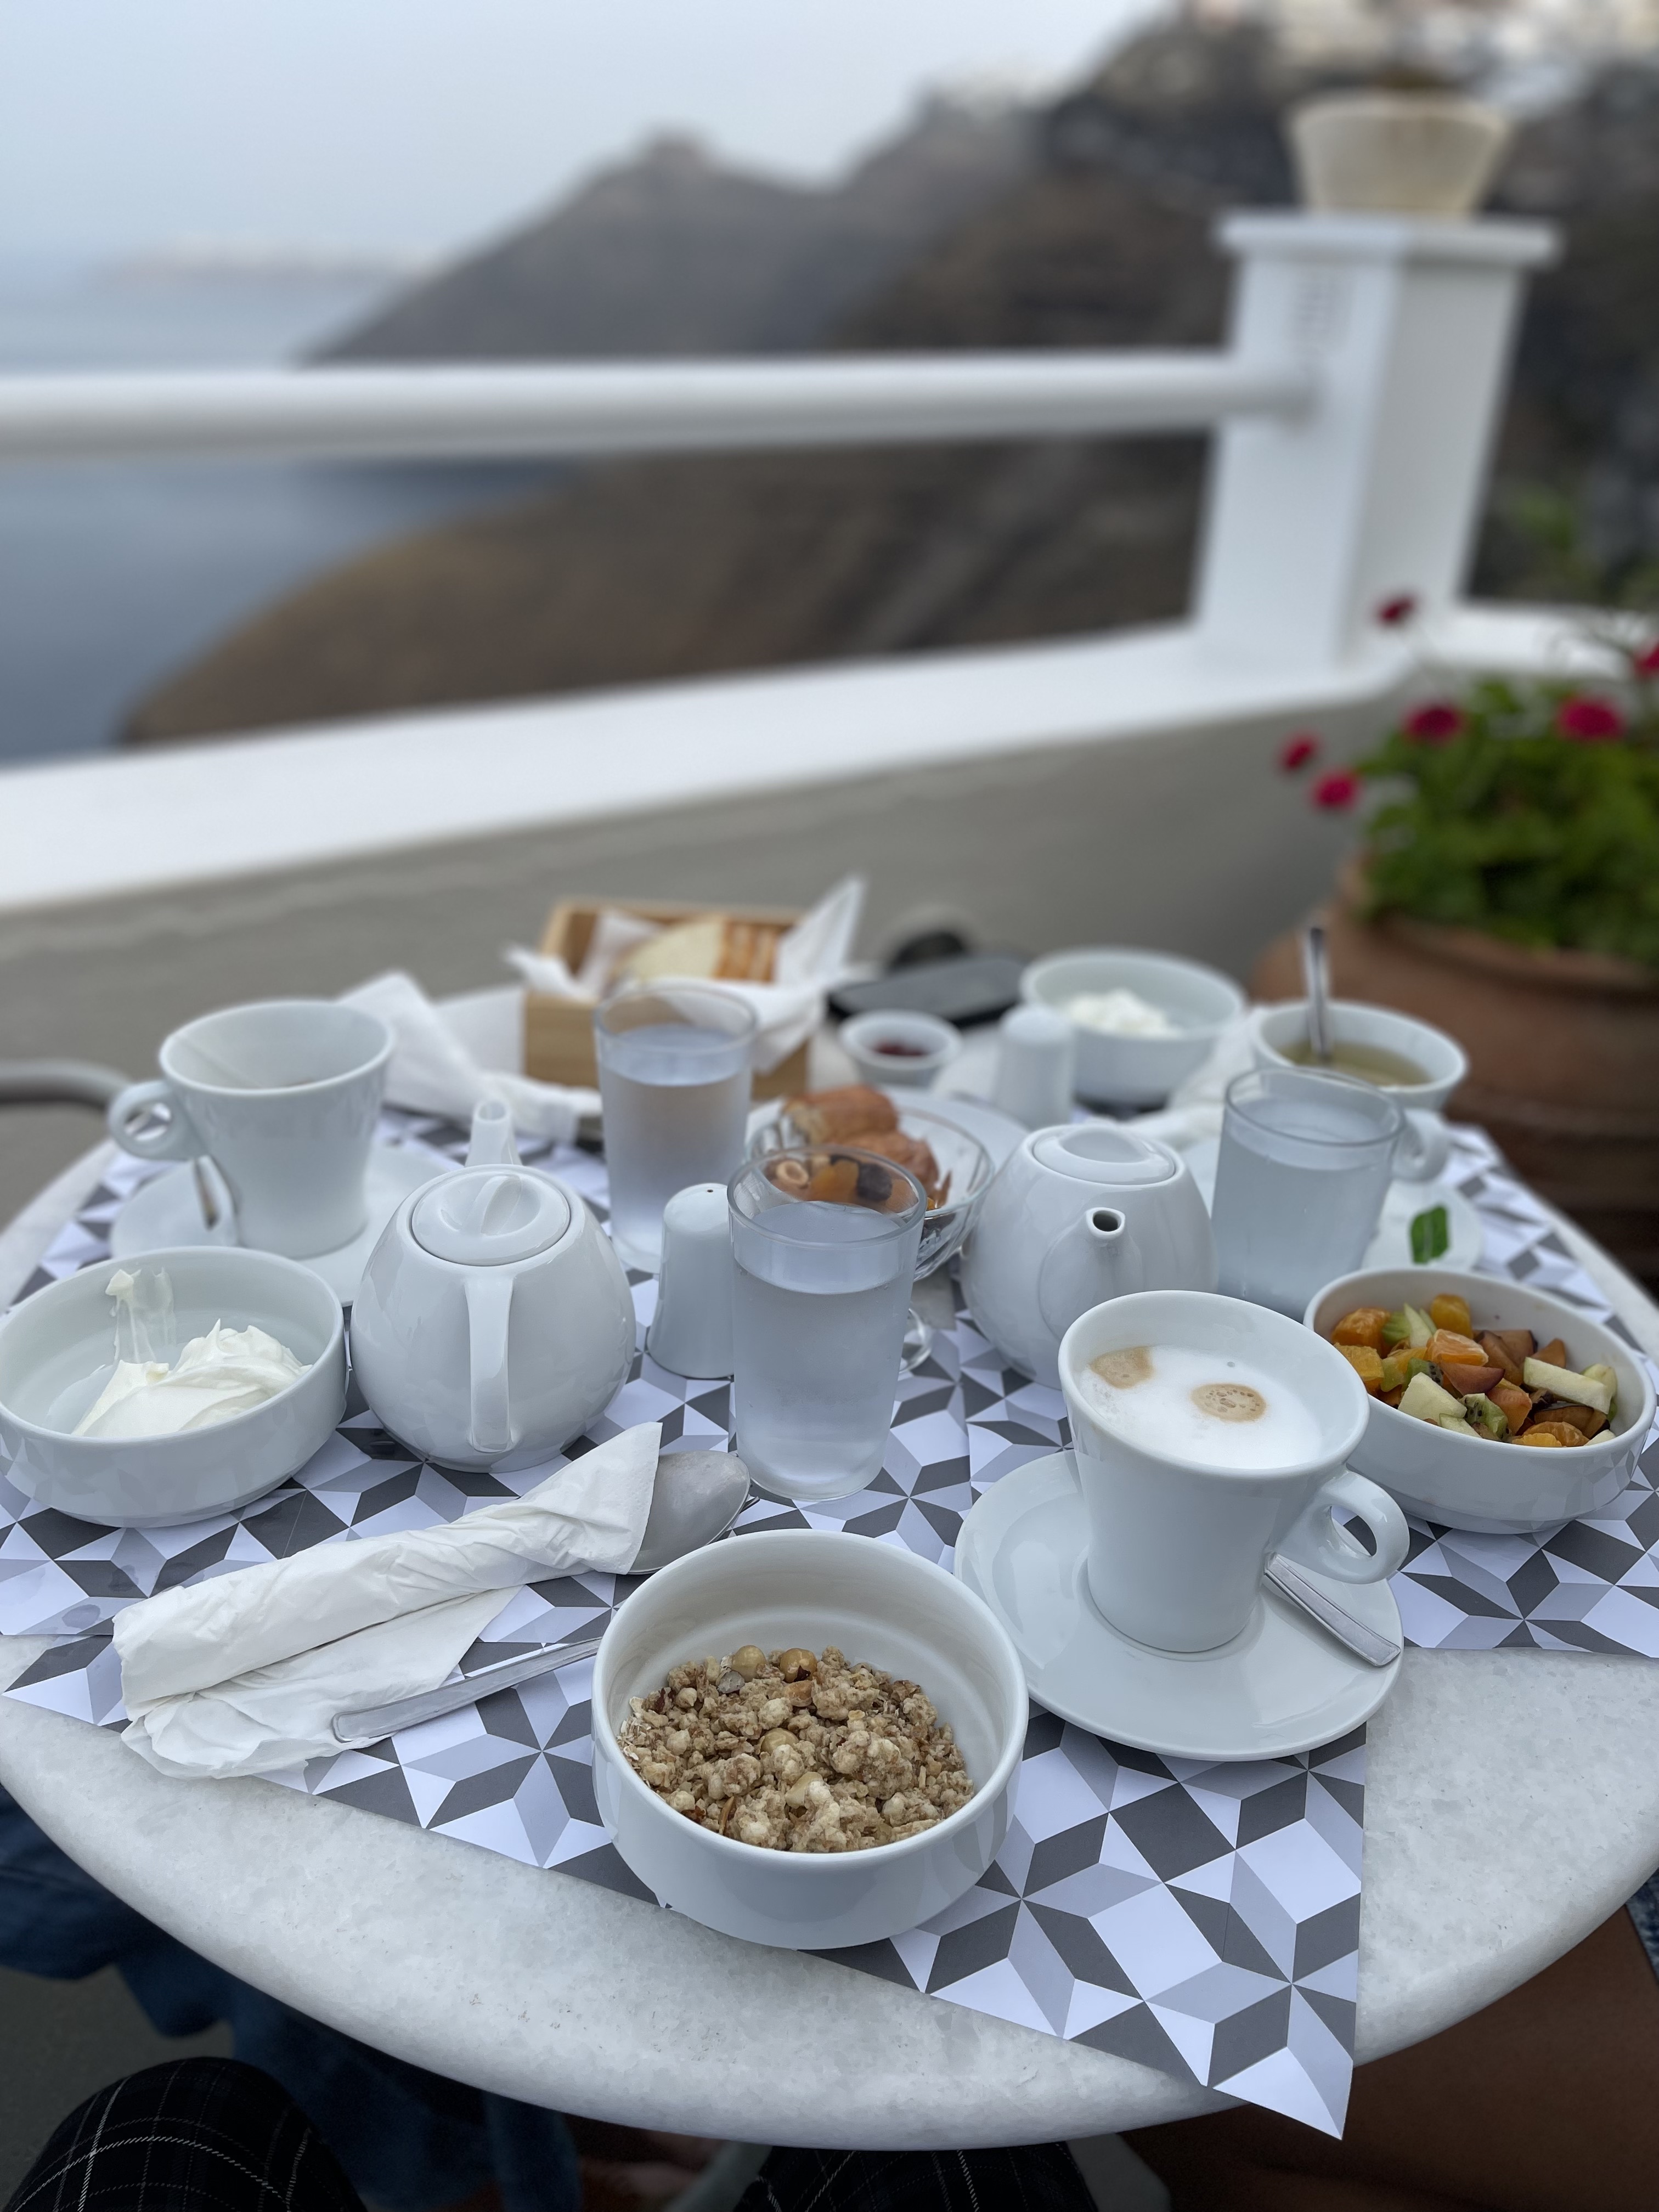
<point x="1206" y="1407"/>
<point x="1299" y="1185"/>
<point x="819" y="1298"/>
<point x="675" y="1102"/>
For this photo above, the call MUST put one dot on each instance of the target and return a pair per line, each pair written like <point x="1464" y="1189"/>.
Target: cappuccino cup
<point x="284" y="1097"/>
<point x="1210" y="1435"/>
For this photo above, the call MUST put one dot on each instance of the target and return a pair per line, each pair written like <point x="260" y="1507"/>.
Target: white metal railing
<point x="428" y="413"/>
<point x="1353" y="408"/>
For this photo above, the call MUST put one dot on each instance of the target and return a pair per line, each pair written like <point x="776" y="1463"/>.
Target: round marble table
<point x="1486" y="1773"/>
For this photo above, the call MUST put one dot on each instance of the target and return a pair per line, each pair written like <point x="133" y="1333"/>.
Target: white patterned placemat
<point x="1200" y="1919"/>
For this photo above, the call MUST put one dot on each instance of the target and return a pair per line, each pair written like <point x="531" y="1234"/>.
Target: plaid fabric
<point x="1040" y="2178"/>
<point x="199" y="2135"/>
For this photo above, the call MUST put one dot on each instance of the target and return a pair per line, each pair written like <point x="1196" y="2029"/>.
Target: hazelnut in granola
<point x="796" y="1751"/>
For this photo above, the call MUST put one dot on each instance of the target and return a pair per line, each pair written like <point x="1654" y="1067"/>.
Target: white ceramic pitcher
<point x="1081" y="1213"/>
<point x="494" y="1321"/>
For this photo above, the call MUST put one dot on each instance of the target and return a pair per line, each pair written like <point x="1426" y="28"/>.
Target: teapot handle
<point x="488" y="1308"/>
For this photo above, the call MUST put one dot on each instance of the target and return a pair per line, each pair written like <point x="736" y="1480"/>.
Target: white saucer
<point x="1282" y="1686"/>
<point x="1391" y="1247"/>
<point x="165" y="1212"/>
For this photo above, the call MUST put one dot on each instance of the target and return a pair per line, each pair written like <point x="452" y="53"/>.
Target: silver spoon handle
<point x="370" y="1723"/>
<point x="1316" y="974"/>
<point x="1353" y="1634"/>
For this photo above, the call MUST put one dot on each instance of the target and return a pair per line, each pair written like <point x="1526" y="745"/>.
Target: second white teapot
<point x="1078" y="1214"/>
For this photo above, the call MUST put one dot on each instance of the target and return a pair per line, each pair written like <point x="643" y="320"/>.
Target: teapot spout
<point x="1095" y="1259"/>
<point x="493" y="1144"/>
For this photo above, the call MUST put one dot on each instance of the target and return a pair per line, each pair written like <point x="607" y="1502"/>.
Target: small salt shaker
<point x="1036" y="1066"/>
<point x="691" y="1333"/>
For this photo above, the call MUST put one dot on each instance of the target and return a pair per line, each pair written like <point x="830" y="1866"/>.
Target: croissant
<point x="834" y="1117"/>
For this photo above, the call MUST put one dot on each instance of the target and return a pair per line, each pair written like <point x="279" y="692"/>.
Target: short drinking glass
<point x="824" y="1245"/>
<point x="1306" y="1161"/>
<point x="674" y="1085"/>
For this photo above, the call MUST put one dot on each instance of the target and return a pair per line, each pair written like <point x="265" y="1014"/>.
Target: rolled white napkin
<point x="432" y="1072"/>
<point x="244" y="1674"/>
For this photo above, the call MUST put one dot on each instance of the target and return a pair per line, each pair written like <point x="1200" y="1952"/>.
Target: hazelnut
<point x="748" y="1662"/>
<point x="793" y="1664"/>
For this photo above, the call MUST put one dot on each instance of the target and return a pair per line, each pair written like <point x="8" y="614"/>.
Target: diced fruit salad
<point x="1499" y="1384"/>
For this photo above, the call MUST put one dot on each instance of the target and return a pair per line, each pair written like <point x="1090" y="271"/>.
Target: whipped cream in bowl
<point x="170" y="1386"/>
<point x="210" y="1378"/>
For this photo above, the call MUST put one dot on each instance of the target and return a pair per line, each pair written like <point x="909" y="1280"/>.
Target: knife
<point x="1353" y="1634"/>
<point x="370" y="1723"/>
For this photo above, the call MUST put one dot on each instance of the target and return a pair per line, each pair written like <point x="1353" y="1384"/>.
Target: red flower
<point x="1394" y="612"/>
<point x="1296" y="752"/>
<point x="1338" y="791"/>
<point x="1647" y="663"/>
<point x="1434" y="724"/>
<point x="1589" y="722"/>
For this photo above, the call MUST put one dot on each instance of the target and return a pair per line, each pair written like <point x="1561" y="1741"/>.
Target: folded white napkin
<point x="244" y="1675"/>
<point x="811" y="958"/>
<point x="432" y="1072"/>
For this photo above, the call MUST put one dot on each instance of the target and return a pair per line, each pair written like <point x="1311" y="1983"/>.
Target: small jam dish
<point x="1467" y="1482"/>
<point x="878" y="1604"/>
<point x="1123" y="1068"/>
<point x="57" y="1351"/>
<point x="895" y="1049"/>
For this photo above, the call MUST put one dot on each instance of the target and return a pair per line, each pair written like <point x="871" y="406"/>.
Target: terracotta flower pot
<point x="1563" y="1046"/>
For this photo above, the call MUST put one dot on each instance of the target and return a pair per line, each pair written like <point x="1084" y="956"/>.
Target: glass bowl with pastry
<point x="1494" y="1406"/>
<point x="952" y="1167"/>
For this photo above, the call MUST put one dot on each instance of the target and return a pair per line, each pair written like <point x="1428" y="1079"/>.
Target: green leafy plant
<point x="1528" y="811"/>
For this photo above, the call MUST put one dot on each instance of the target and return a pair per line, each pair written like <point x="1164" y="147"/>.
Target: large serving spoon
<point x="698" y="1495"/>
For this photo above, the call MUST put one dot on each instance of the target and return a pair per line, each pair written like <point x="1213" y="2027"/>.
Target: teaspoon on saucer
<point x="698" y="1495"/>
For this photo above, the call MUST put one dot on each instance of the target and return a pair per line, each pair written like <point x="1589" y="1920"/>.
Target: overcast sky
<point x="408" y="126"/>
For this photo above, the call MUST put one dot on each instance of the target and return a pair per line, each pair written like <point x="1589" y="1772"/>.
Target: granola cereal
<point x="796" y="1751"/>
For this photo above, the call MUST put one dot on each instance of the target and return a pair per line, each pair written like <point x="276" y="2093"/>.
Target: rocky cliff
<point x="1098" y="233"/>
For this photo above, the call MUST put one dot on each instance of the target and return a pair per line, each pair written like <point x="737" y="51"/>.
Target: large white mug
<point x="1177" y="1545"/>
<point x="284" y="1097"/>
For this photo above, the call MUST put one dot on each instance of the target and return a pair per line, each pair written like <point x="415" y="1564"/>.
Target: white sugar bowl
<point x="494" y="1321"/>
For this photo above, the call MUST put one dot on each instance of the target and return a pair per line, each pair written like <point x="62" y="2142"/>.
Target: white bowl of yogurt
<point x="1144" y="1021"/>
<point x="245" y="1379"/>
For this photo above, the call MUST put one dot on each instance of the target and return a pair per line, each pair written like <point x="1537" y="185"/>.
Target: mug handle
<point x="1423" y="1148"/>
<point x="175" y="1138"/>
<point x="1317" y="1541"/>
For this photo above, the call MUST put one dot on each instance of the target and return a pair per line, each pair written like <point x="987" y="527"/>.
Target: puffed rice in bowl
<point x="811" y="1589"/>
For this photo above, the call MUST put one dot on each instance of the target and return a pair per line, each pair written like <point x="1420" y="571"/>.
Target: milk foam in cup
<point x="1197" y="1407"/>
<point x="1209" y="1434"/>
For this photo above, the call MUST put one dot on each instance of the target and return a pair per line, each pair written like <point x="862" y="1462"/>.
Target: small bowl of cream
<point x="1144" y="1021"/>
<point x="169" y="1386"/>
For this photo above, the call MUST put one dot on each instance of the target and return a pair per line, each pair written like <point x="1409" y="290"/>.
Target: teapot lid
<point x="1103" y="1152"/>
<point x="489" y="1216"/>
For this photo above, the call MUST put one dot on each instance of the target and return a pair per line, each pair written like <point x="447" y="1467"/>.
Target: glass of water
<point x="1306" y="1161"/>
<point x="823" y="1242"/>
<point x="674" y="1086"/>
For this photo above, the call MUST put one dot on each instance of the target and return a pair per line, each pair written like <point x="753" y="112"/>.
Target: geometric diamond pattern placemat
<point x="1200" y="1919"/>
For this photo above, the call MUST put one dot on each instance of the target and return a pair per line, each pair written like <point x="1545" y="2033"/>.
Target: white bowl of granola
<point x="807" y="1806"/>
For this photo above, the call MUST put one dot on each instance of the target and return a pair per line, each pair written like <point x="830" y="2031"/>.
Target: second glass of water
<point x="823" y="1242"/>
<point x="1306" y="1161"/>
<point x="674" y="1085"/>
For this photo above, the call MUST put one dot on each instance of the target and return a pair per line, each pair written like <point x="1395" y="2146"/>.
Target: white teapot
<point x="1077" y="1215"/>
<point x="494" y="1321"/>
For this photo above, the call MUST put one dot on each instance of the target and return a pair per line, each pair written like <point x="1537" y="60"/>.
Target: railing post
<point x="1374" y="491"/>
